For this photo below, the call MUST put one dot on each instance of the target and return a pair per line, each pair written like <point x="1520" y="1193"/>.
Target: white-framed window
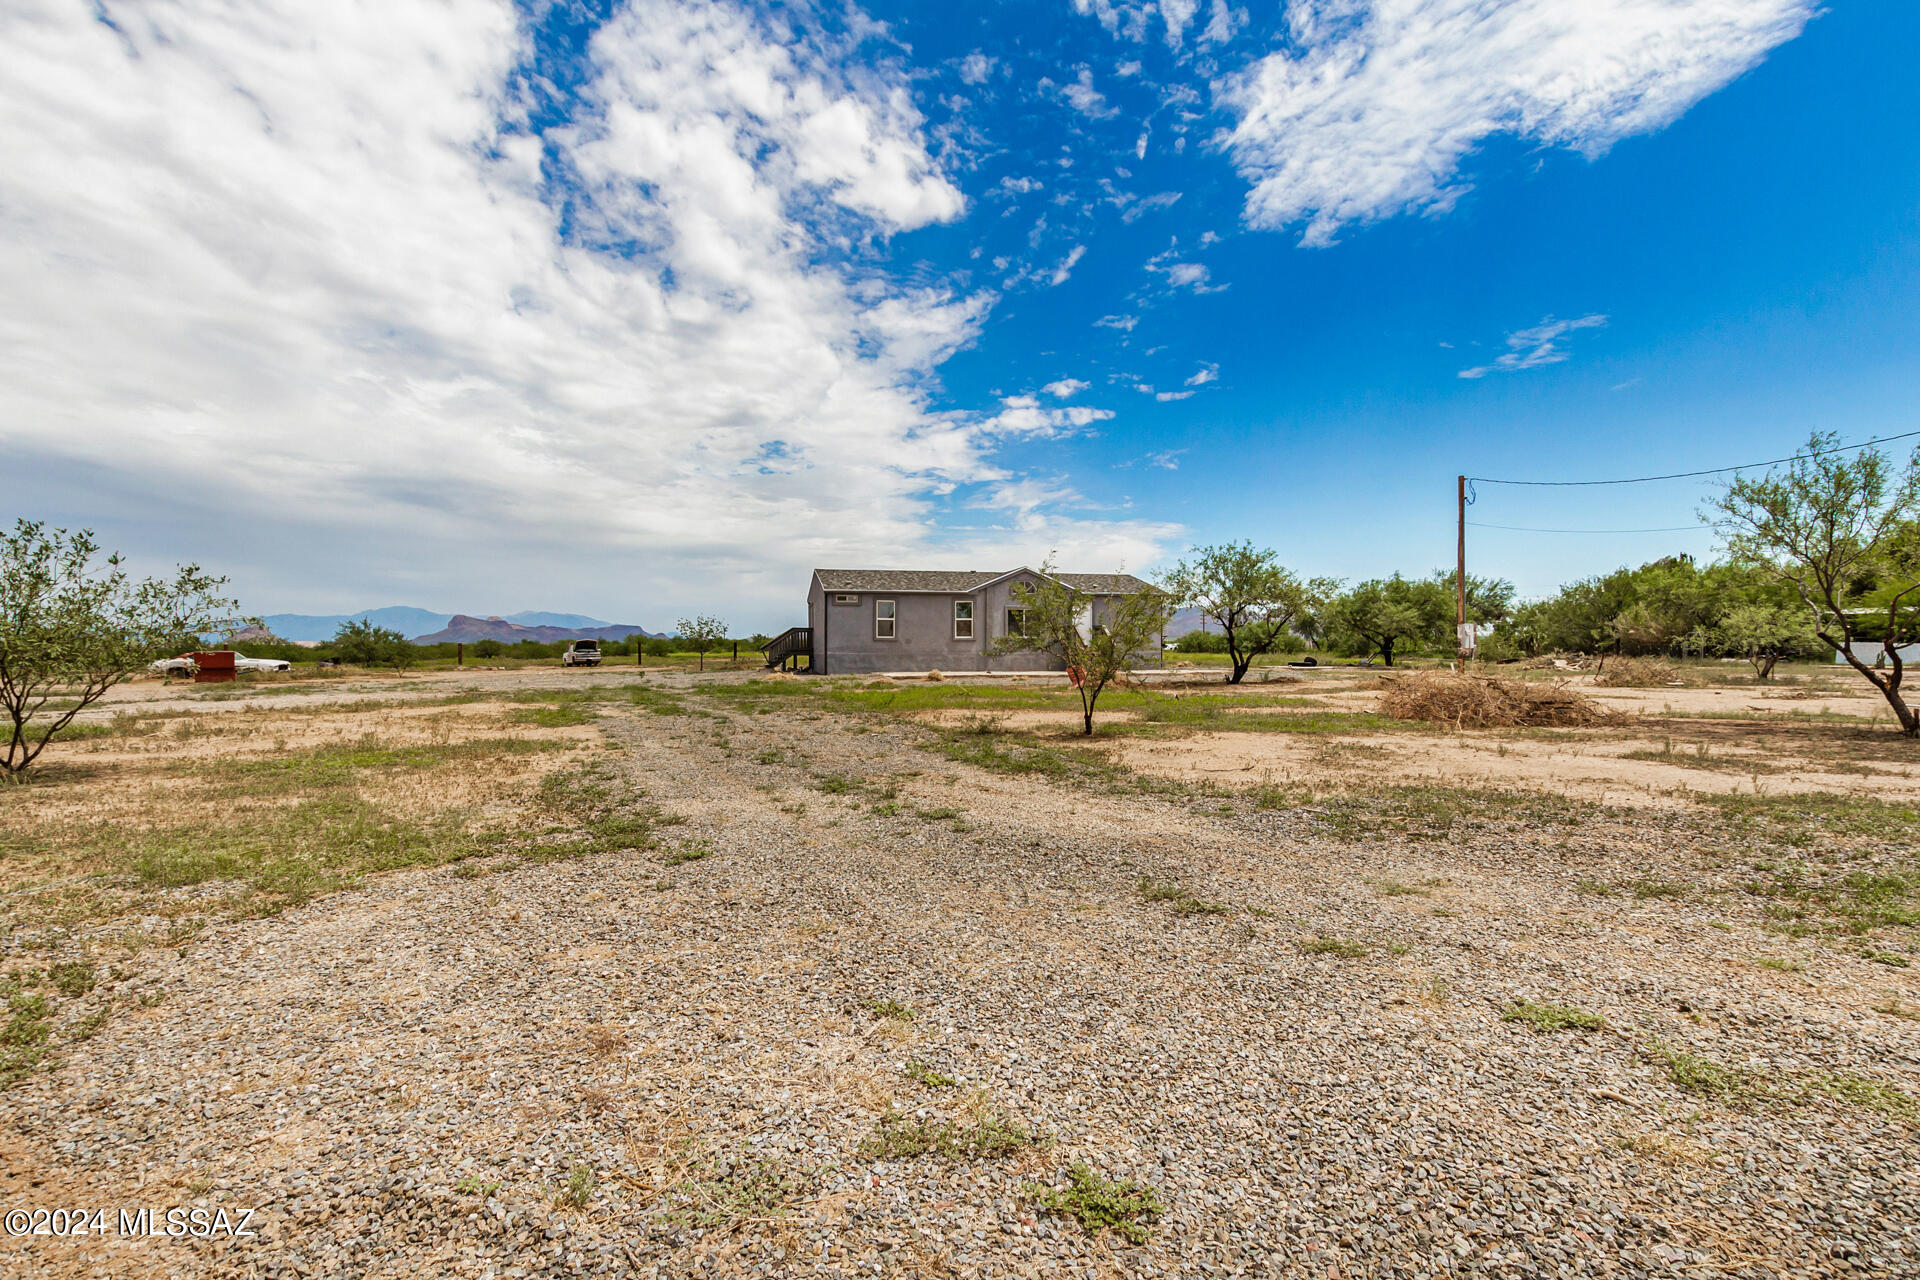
<point x="846" y="598"/>
<point x="1016" y="622"/>
<point x="963" y="619"/>
<point x="884" y="619"/>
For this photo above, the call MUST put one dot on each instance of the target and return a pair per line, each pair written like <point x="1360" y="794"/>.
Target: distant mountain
<point x="465" y="629"/>
<point x="307" y="626"/>
<point x="534" y="618"/>
<point x="1187" y="620"/>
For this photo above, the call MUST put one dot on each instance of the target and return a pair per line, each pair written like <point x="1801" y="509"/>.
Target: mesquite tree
<point x="1844" y="535"/>
<point x="71" y="629"/>
<point x="701" y="634"/>
<point x="1095" y="647"/>
<point x="1255" y="600"/>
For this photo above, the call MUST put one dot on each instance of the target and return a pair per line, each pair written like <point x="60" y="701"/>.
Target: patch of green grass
<point x="1647" y="888"/>
<point x="990" y="1137"/>
<point x="1099" y="1204"/>
<point x="560" y="717"/>
<point x="1779" y="965"/>
<point x="1396" y="889"/>
<point x="1341" y="948"/>
<point x="1857" y="902"/>
<point x="471" y="1185"/>
<point x="23" y="1039"/>
<point x="1179" y="901"/>
<point x="1816" y="817"/>
<point x="1860" y="1094"/>
<point x="928" y="1076"/>
<point x="1551" y="1017"/>
<point x="1594" y="888"/>
<point x="72" y="977"/>
<point x="889" y="1008"/>
<point x="687" y="853"/>
<point x="1435" y="812"/>
<point x="1889" y="958"/>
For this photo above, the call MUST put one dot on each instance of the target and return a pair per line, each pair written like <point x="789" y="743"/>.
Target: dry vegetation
<point x="848" y="976"/>
<point x="1485" y="702"/>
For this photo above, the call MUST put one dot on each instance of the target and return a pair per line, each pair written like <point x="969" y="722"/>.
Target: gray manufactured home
<point x="867" y="620"/>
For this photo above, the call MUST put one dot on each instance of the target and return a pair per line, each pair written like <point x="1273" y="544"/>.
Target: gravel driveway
<point x="401" y="1080"/>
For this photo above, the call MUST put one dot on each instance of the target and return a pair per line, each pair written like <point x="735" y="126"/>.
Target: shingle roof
<point x="962" y="580"/>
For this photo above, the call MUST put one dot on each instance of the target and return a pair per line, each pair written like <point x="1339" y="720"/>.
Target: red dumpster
<point x="211" y="668"/>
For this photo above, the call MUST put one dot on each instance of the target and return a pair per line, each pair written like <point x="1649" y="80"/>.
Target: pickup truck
<point x="581" y="653"/>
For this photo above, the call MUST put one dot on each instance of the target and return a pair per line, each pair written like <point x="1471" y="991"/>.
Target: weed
<point x="472" y="1186"/>
<point x="560" y="717"/>
<point x="928" y="1076"/>
<point x="1710" y="1079"/>
<point x="1343" y="948"/>
<point x="1860" y="1094"/>
<point x="833" y="784"/>
<point x="1179" y="901"/>
<point x="1647" y="888"/>
<point x="580" y="1187"/>
<point x="1098" y="1204"/>
<point x="760" y="1190"/>
<point x="1782" y="966"/>
<point x="1594" y="888"/>
<point x="990" y="1137"/>
<point x="890" y="1009"/>
<point x="1551" y="1017"/>
<point x="1894" y="1009"/>
<point x="89" y="1026"/>
<point x="1889" y="958"/>
<point x="72" y="977"/>
<point x="770" y="756"/>
<point x="687" y="853"/>
<point x="1395" y="889"/>
<point x="24" y="1037"/>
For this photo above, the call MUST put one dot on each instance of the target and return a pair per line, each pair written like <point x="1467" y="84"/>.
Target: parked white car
<point x="183" y="665"/>
<point x="581" y="653"/>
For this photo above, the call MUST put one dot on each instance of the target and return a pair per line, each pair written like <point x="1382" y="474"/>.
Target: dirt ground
<point x="830" y="993"/>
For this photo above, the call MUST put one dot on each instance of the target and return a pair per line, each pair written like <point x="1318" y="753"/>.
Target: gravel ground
<point x="399" y="1080"/>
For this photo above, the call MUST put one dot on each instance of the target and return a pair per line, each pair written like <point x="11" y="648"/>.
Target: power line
<point x="1688" y="475"/>
<point x="1515" y="528"/>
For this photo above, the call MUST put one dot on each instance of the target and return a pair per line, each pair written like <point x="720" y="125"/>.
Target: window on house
<point x="1016" y="622"/>
<point x="845" y="598"/>
<point x="963" y="619"/>
<point x="883" y="619"/>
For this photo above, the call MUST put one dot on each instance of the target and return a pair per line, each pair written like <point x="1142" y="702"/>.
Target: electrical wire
<point x="1688" y="475"/>
<point x="1515" y="528"/>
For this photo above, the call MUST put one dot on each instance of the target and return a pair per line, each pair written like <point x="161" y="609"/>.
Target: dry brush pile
<point x="1485" y="702"/>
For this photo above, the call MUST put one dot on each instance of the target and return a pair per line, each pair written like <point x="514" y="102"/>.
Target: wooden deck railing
<point x="790" y="645"/>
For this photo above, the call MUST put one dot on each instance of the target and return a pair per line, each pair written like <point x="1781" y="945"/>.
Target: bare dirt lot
<point x="592" y="973"/>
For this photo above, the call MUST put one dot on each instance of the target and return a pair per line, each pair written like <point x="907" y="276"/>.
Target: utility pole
<point x="1460" y="578"/>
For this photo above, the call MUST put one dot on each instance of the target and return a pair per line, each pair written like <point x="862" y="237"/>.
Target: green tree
<point x="1250" y="594"/>
<point x="657" y="647"/>
<point x="71" y="629"/>
<point x="701" y="634"/>
<point x="1765" y="633"/>
<point x="488" y="649"/>
<point x="1384" y="614"/>
<point x="365" y="645"/>
<point x="1095" y="647"/>
<point x="1841" y="532"/>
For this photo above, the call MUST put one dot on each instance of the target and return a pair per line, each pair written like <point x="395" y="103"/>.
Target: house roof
<point x="962" y="581"/>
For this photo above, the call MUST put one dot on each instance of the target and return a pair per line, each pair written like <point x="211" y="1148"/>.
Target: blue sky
<point x="642" y="309"/>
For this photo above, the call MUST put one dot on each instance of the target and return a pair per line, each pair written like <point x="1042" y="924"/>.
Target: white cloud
<point x="976" y="67"/>
<point x="1123" y="323"/>
<point x="1378" y="102"/>
<point x="1533" y="347"/>
<point x="1164" y="396"/>
<point x="1024" y="417"/>
<point x="1208" y="373"/>
<point x="1065" y="387"/>
<point x="1125" y="69"/>
<point x="285" y="268"/>
<point x="1186" y="274"/>
<point x="1166" y="459"/>
<point x="1018" y="186"/>
<point x="1065" y="269"/>
<point x="1086" y="99"/>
